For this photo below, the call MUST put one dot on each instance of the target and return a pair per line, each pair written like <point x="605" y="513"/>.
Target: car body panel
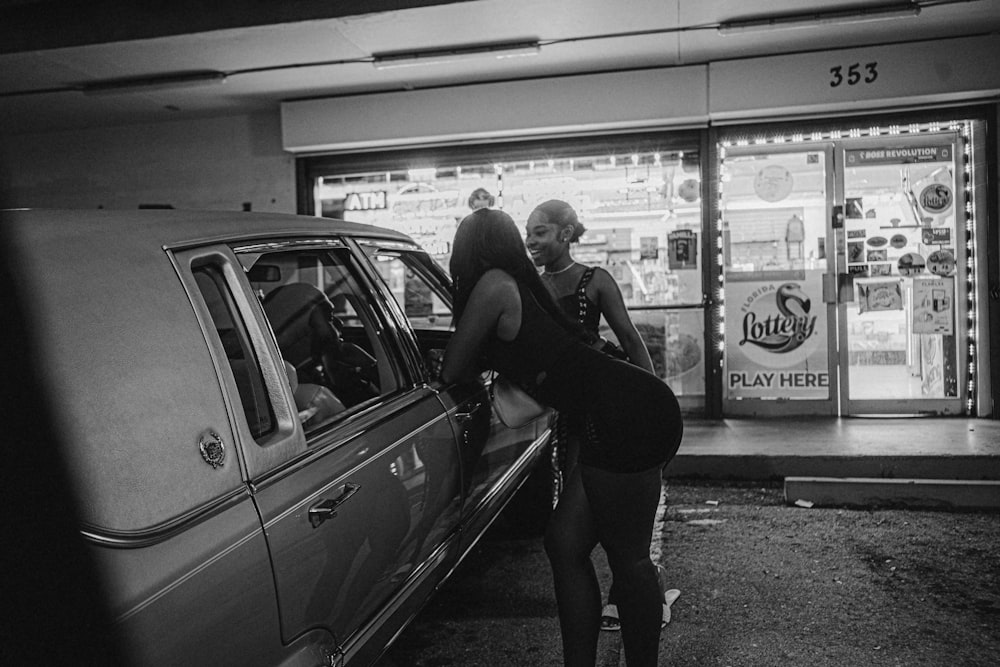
<point x="176" y="599"/>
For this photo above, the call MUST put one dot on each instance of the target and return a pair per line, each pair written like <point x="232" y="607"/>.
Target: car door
<point x="358" y="487"/>
<point x="495" y="459"/>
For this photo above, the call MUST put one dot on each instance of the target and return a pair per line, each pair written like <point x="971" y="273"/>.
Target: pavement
<point x="502" y="613"/>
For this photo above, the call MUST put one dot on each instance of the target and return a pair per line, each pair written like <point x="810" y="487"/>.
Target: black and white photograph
<point x="500" y="333"/>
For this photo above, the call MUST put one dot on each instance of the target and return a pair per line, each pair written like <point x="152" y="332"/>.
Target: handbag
<point x="512" y="405"/>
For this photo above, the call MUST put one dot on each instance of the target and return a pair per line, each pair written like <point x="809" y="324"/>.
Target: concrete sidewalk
<point x="776" y="448"/>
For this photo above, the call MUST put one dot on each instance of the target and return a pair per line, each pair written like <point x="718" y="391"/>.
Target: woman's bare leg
<point x="623" y="507"/>
<point x="569" y="541"/>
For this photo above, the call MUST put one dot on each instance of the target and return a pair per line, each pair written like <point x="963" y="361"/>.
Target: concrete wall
<point x="217" y="164"/>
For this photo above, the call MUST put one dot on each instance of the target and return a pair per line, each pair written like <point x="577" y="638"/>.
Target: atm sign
<point x="365" y="201"/>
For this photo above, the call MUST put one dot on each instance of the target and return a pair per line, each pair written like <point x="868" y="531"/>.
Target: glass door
<point x="901" y="305"/>
<point x="779" y="354"/>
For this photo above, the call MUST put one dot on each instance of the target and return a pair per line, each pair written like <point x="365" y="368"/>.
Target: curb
<point x="907" y="493"/>
<point x="763" y="467"/>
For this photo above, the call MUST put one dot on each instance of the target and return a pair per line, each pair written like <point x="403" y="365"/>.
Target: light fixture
<point x="453" y="54"/>
<point x="150" y="83"/>
<point x="814" y="19"/>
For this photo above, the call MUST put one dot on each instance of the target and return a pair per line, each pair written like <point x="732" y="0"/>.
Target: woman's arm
<point x="612" y="305"/>
<point x="491" y="308"/>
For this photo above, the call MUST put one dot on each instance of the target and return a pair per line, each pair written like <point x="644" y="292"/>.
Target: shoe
<point x="668" y="599"/>
<point x="609" y="618"/>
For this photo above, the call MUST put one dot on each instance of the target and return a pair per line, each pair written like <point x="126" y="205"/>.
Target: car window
<point x="239" y="351"/>
<point x="421" y="290"/>
<point x="326" y="329"/>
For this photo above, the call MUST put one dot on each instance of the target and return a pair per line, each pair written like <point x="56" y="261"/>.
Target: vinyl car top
<point x="123" y="354"/>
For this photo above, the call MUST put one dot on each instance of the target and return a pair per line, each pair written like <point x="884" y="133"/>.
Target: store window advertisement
<point x="776" y="338"/>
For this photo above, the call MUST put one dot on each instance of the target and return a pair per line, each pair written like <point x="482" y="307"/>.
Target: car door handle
<point x="462" y="417"/>
<point x="327" y="508"/>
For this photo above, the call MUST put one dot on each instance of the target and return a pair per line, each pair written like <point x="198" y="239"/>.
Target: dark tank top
<point x="580" y="307"/>
<point x="540" y="343"/>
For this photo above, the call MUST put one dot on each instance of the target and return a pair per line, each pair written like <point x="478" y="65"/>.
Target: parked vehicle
<point x="267" y="467"/>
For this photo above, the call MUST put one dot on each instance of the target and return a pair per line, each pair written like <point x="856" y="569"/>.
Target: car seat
<point x="316" y="404"/>
<point x="308" y="334"/>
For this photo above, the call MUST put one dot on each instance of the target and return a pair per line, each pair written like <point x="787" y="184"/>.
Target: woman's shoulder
<point x="601" y="279"/>
<point x="497" y="282"/>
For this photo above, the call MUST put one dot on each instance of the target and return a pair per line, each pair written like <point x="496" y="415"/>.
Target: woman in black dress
<point x="507" y="318"/>
<point x="585" y="293"/>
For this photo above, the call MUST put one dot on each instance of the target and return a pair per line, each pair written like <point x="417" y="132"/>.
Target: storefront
<point x="827" y="268"/>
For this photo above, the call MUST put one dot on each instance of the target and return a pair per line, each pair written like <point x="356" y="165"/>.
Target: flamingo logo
<point x="783" y="332"/>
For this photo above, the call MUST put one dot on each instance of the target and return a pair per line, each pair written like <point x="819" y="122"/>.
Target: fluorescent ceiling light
<point x="150" y="83"/>
<point x="814" y="19"/>
<point x="459" y="53"/>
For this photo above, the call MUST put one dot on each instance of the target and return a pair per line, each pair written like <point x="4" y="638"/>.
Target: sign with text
<point x="933" y="301"/>
<point x="365" y="201"/>
<point x="898" y="155"/>
<point x="776" y="339"/>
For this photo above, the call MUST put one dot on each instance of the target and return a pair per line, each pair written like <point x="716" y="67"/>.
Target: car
<point x="266" y="467"/>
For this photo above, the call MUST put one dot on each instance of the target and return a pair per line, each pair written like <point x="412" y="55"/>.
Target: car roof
<point x="173" y="228"/>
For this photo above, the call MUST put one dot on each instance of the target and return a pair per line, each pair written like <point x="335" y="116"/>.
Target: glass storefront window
<point x="642" y="210"/>
<point x="774" y="242"/>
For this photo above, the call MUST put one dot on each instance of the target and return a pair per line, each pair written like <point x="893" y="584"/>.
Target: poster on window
<point x="933" y="299"/>
<point x="648" y="247"/>
<point x="879" y="295"/>
<point x="776" y="338"/>
<point x="682" y="247"/>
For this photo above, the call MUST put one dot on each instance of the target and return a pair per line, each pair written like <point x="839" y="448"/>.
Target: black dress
<point x="635" y="415"/>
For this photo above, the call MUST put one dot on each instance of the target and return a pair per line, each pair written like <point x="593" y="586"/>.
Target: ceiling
<point x="269" y="52"/>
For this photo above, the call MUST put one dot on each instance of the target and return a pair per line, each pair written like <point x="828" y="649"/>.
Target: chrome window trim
<point x="389" y="245"/>
<point x="270" y="246"/>
<point x="162" y="532"/>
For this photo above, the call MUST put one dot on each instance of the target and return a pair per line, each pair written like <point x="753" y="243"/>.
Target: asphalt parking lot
<point x="762" y="583"/>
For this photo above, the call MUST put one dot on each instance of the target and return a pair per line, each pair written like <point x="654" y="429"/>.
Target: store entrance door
<point x="840" y="264"/>
<point x="900" y="307"/>
<point x="779" y="356"/>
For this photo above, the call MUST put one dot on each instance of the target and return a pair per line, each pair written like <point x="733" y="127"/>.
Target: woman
<point x="585" y="293"/>
<point x="506" y="317"/>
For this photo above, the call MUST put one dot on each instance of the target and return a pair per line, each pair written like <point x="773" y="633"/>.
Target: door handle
<point x="327" y="508"/>
<point x="462" y="417"/>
